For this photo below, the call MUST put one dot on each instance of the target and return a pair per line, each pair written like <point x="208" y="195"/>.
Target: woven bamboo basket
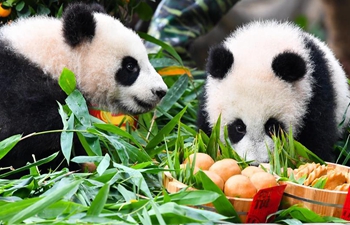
<point x="241" y="205"/>
<point x="323" y="202"/>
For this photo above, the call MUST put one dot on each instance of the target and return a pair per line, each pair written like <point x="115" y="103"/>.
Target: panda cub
<point x="109" y="60"/>
<point x="271" y="75"/>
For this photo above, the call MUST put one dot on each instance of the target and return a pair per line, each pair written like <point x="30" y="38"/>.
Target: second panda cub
<point x="269" y="75"/>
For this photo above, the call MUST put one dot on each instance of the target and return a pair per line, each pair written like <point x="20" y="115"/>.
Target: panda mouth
<point x="143" y="104"/>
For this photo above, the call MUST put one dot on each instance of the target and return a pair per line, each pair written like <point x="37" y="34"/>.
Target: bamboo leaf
<point x="177" y="214"/>
<point x="158" y="63"/>
<point x="104" y="164"/>
<point x="197" y="197"/>
<point x="67" y="81"/>
<point x="117" y="130"/>
<point x="42" y="203"/>
<point x="162" y="44"/>
<point x="173" y="95"/>
<point x="67" y="139"/>
<point x="99" y="201"/>
<point x="7" y="144"/>
<point x="163" y="133"/>
<point x="137" y="179"/>
<point x="28" y="166"/>
<point x="77" y="104"/>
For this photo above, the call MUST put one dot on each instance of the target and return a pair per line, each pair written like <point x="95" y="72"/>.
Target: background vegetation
<point x="127" y="186"/>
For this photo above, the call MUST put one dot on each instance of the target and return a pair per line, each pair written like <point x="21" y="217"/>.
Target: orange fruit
<point x="4" y="12"/>
<point x="263" y="180"/>
<point x="203" y="161"/>
<point x="250" y="170"/>
<point x="239" y="186"/>
<point x="226" y="168"/>
<point x="215" y="178"/>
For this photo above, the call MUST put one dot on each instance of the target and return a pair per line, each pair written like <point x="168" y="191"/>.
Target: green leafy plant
<point x="289" y="153"/>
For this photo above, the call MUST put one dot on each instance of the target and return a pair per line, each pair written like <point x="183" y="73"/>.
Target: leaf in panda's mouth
<point x="143" y="104"/>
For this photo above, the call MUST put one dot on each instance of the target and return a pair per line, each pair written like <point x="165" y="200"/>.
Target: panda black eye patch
<point x="129" y="71"/>
<point x="236" y="130"/>
<point x="220" y="60"/>
<point x="273" y="127"/>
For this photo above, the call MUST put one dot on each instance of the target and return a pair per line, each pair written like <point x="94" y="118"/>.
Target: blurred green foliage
<point x="125" y="10"/>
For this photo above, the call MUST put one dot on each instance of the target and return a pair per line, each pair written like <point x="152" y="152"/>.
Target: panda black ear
<point x="220" y="60"/>
<point x="79" y="23"/>
<point x="289" y="66"/>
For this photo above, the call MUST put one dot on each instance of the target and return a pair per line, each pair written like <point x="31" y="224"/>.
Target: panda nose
<point x="160" y="93"/>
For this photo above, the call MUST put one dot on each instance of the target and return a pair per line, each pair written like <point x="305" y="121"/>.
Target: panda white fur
<point x="109" y="60"/>
<point x="269" y="75"/>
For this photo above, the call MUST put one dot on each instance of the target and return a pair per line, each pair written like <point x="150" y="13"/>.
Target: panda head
<point x="110" y="61"/>
<point x="259" y="82"/>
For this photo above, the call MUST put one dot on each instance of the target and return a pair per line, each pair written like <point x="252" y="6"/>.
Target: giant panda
<point x="109" y="61"/>
<point x="271" y="75"/>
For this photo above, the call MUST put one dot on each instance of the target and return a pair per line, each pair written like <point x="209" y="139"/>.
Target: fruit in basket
<point x="250" y="170"/>
<point x="239" y="186"/>
<point x="215" y="178"/>
<point x="202" y="160"/>
<point x="263" y="180"/>
<point x="225" y="168"/>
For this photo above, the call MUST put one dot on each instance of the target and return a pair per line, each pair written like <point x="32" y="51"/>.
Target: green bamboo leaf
<point x="145" y="219"/>
<point x="67" y="139"/>
<point x="127" y="195"/>
<point x="99" y="201"/>
<point x="163" y="62"/>
<point x="104" y="164"/>
<point x="61" y="209"/>
<point x="162" y="44"/>
<point x="10" y="210"/>
<point x="127" y="207"/>
<point x="28" y="166"/>
<point x="158" y="216"/>
<point x="7" y="144"/>
<point x="291" y="222"/>
<point x="67" y="81"/>
<point x="77" y="104"/>
<point x="91" y="143"/>
<point x="221" y="204"/>
<point x="163" y="133"/>
<point x="212" y="148"/>
<point x="173" y="213"/>
<point x="136" y="178"/>
<point x="173" y="95"/>
<point x="63" y="114"/>
<point x="42" y="203"/>
<point x="59" y="12"/>
<point x="118" y="131"/>
<point x="85" y="159"/>
<point x="198" y="197"/>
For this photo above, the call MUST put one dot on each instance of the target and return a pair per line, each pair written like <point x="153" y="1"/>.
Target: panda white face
<point x="121" y="69"/>
<point x="258" y="86"/>
<point x="109" y="60"/>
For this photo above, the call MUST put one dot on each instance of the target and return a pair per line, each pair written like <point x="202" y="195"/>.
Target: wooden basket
<point x="323" y="202"/>
<point x="241" y="205"/>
